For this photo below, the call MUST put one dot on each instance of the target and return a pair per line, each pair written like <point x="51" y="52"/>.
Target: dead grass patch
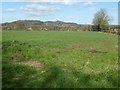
<point x="34" y="64"/>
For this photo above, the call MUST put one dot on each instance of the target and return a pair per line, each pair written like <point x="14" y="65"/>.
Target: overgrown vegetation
<point x="59" y="59"/>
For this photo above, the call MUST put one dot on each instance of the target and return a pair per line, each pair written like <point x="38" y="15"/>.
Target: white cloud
<point x="65" y="2"/>
<point x="39" y="10"/>
<point x="37" y="7"/>
<point x="58" y="1"/>
<point x="11" y="10"/>
<point x="37" y="14"/>
<point x="88" y="3"/>
<point x="51" y="1"/>
<point x="70" y="2"/>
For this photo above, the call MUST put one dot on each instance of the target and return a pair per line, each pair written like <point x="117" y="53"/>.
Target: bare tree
<point x="101" y="20"/>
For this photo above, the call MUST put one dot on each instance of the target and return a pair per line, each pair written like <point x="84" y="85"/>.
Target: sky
<point x="77" y="12"/>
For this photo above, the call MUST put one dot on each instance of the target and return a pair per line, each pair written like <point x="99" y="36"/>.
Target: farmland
<point x="59" y="59"/>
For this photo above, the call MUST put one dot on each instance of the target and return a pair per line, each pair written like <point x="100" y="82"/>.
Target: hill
<point x="40" y="25"/>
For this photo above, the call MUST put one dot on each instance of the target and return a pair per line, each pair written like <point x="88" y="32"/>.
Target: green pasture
<point x="59" y="59"/>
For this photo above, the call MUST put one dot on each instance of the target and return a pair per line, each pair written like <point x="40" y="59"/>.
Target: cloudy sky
<point x="78" y="12"/>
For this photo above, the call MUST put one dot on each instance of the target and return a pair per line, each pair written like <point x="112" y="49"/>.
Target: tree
<point x="101" y="20"/>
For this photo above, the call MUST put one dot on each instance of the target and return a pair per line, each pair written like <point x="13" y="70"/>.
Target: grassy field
<point x="59" y="59"/>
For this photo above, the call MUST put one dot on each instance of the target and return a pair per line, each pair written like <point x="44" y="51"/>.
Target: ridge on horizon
<point x="60" y="21"/>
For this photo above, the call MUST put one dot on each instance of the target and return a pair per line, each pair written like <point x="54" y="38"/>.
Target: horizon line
<point x="50" y="21"/>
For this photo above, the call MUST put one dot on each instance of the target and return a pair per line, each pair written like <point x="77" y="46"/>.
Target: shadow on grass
<point x="20" y="76"/>
<point x="51" y="77"/>
<point x="55" y="77"/>
<point x="15" y="76"/>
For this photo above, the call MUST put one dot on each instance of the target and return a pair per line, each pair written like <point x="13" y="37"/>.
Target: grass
<point x="65" y="59"/>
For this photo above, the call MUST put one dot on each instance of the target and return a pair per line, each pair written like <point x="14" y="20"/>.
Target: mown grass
<point x="69" y="59"/>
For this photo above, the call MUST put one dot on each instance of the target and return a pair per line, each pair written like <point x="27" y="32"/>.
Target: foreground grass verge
<point x="59" y="59"/>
